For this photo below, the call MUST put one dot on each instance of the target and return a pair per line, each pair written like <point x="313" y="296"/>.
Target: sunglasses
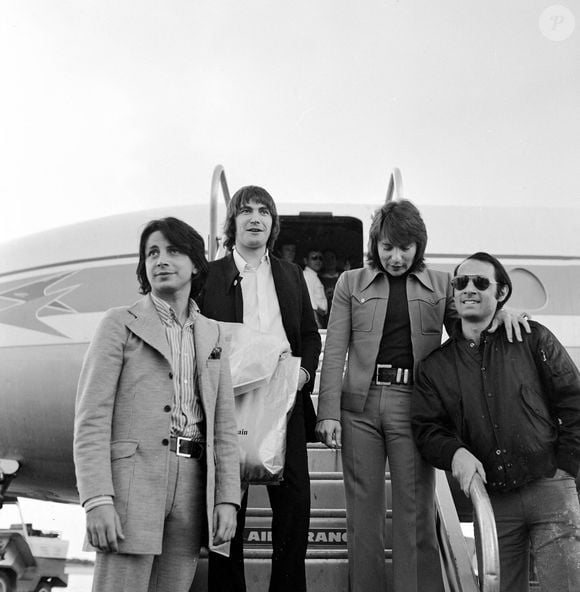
<point x="459" y="282"/>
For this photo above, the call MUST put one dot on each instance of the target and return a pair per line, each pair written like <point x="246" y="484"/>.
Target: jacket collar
<point x="146" y="324"/>
<point x="372" y="273"/>
<point x="424" y="277"/>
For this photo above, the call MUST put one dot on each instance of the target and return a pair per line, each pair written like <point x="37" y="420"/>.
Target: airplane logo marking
<point x="25" y="305"/>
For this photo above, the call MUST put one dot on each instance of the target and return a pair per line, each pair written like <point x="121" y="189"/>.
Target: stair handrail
<point x="454" y="553"/>
<point x="395" y="186"/>
<point x="455" y="558"/>
<point x="489" y="569"/>
<point x="218" y="179"/>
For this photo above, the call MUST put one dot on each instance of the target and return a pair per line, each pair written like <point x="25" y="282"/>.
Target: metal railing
<point x="218" y="180"/>
<point x="395" y="186"/>
<point x="454" y="554"/>
<point x="489" y="568"/>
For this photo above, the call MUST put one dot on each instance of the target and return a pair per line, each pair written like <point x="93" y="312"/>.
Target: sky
<point x="112" y="106"/>
<point x="109" y="106"/>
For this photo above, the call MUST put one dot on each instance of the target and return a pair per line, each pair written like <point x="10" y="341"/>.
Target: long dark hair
<point x="182" y="236"/>
<point x="401" y="221"/>
<point x="241" y="198"/>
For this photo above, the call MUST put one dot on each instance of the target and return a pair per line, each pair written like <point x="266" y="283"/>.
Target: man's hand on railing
<point x="464" y="466"/>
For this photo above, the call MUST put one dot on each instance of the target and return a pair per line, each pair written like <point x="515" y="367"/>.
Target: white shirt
<point x="261" y="306"/>
<point x="315" y="289"/>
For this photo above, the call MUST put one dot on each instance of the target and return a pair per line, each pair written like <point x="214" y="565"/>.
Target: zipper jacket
<point x="515" y="406"/>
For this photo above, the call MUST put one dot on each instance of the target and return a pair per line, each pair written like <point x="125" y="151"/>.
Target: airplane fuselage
<point x="54" y="288"/>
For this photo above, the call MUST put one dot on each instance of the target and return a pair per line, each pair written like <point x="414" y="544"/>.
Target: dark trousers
<point x="290" y="503"/>
<point x="543" y="515"/>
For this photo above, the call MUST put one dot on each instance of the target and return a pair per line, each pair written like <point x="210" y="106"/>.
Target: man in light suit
<point x="253" y="287"/>
<point x="155" y="443"/>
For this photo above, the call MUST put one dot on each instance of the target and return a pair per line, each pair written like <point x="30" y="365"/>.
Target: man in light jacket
<point x="155" y="443"/>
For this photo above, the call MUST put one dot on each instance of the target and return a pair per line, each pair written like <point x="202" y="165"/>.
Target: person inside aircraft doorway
<point x="312" y="267"/>
<point x="155" y="439"/>
<point x="252" y="286"/>
<point x="386" y="317"/>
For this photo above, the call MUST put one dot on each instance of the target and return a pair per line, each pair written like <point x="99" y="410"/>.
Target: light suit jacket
<point x="123" y="420"/>
<point x="356" y="325"/>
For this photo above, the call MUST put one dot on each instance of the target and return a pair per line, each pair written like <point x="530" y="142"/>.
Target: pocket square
<point x="216" y="353"/>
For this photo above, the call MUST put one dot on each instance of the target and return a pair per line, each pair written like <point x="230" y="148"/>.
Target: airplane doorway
<point x="322" y="231"/>
<point x="339" y="239"/>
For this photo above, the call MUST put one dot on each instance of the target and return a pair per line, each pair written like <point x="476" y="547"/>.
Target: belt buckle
<point x="381" y="382"/>
<point x="178" y="452"/>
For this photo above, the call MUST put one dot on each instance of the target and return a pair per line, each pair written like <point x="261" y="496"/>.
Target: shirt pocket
<point x="432" y="313"/>
<point x="363" y="312"/>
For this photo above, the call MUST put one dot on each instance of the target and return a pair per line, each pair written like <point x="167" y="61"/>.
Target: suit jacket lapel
<point x="281" y="283"/>
<point x="232" y="281"/>
<point x="205" y="339"/>
<point x="147" y="326"/>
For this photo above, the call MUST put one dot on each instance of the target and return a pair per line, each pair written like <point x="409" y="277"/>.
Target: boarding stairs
<point x="326" y="558"/>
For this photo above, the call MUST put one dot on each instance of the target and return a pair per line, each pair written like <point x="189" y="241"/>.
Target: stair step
<point x="314" y="513"/>
<point x="324" y="572"/>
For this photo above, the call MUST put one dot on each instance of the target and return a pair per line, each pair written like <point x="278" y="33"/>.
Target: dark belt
<point x="186" y="447"/>
<point x="386" y="375"/>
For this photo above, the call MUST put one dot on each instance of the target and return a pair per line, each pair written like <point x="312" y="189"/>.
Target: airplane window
<point x="528" y="291"/>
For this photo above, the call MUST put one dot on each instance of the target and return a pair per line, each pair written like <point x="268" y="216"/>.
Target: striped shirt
<point x="187" y="417"/>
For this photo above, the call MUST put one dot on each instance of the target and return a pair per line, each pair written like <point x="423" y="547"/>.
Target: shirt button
<point x="167" y="408"/>
<point x="496" y="426"/>
<point x="490" y="394"/>
<point x="499" y="467"/>
<point x="362" y="299"/>
<point x="171" y="375"/>
<point x="471" y="344"/>
<point x="498" y="452"/>
<point x="185" y="381"/>
<point x="165" y="441"/>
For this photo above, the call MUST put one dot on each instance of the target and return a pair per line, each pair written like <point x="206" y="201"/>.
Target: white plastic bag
<point x="265" y="380"/>
<point x="262" y="417"/>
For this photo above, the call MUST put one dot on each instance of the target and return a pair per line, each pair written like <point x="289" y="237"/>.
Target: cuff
<point x="99" y="500"/>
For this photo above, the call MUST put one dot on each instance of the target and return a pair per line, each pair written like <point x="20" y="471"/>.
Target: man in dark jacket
<point x="253" y="287"/>
<point x="509" y="412"/>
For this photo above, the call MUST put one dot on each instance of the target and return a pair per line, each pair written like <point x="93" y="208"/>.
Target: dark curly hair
<point x="182" y="236"/>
